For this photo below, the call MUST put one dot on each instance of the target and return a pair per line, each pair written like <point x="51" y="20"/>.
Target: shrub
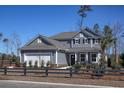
<point x="30" y="63"/>
<point x="24" y="64"/>
<point x="36" y="64"/>
<point x="48" y="63"/>
<point x="42" y="63"/>
<point x="88" y="66"/>
<point x="77" y="66"/>
<point x="116" y="66"/>
<point x="17" y="63"/>
<point x="122" y="60"/>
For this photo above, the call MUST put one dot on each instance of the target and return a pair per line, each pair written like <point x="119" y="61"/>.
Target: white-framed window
<point x="76" y="41"/>
<point x="94" y="55"/>
<point x="82" y="57"/>
<point x="86" y="41"/>
<point x="96" y="41"/>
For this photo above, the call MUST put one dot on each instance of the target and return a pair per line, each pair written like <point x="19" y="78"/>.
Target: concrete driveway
<point x="30" y="84"/>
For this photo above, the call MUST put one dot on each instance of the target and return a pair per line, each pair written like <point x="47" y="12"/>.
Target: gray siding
<point x="62" y="58"/>
<point x="83" y="45"/>
<point x="54" y="58"/>
<point x="43" y="42"/>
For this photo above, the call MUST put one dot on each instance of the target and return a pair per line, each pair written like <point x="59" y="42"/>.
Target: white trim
<point x="91" y="41"/>
<point x="25" y="59"/>
<point x="80" y="57"/>
<point x="86" y="57"/>
<point x="75" y="57"/>
<point x="91" y="57"/>
<point x="56" y="57"/>
<point x="20" y="57"/>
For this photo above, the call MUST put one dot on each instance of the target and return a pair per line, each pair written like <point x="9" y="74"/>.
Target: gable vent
<point x="39" y="40"/>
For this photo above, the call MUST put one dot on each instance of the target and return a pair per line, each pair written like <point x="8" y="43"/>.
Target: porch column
<point x="24" y="57"/>
<point x="20" y="57"/>
<point x="75" y="57"/>
<point x="87" y="57"/>
<point x="57" y="58"/>
<point x="91" y="40"/>
<point x="98" y="57"/>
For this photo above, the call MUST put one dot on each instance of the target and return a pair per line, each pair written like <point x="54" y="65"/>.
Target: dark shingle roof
<point x="39" y="47"/>
<point x="64" y="35"/>
<point x="84" y="49"/>
<point x="69" y="35"/>
<point x="53" y="44"/>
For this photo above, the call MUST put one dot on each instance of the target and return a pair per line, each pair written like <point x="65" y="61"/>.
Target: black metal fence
<point x="70" y="72"/>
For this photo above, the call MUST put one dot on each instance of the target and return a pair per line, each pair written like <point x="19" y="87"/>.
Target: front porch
<point x="84" y="57"/>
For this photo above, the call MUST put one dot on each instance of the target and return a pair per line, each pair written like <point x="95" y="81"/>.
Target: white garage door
<point x="37" y="57"/>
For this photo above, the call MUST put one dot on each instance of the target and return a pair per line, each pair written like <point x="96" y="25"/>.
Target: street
<point x="29" y="84"/>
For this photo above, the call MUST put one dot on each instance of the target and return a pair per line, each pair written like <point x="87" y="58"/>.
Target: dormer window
<point x="39" y="40"/>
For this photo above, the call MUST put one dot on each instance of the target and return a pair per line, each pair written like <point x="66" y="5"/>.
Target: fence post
<point x="70" y="72"/>
<point x="46" y="71"/>
<point x="25" y="69"/>
<point x="5" y="70"/>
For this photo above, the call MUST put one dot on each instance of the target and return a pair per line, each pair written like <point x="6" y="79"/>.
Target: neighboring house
<point x="65" y="48"/>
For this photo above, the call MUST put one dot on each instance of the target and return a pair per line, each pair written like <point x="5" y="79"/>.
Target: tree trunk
<point x="116" y="54"/>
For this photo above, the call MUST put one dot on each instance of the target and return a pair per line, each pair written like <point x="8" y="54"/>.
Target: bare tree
<point x="6" y="42"/>
<point x="117" y="33"/>
<point x="15" y="43"/>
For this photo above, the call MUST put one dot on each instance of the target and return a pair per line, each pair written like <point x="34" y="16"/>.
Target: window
<point x="88" y="41"/>
<point x="96" y="41"/>
<point x="85" y="41"/>
<point x="93" y="41"/>
<point x="82" y="56"/>
<point x="99" y="40"/>
<point x="94" y="57"/>
<point x="76" y="41"/>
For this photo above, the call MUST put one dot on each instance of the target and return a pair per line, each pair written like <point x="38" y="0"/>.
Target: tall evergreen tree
<point x="82" y="12"/>
<point x="96" y="28"/>
<point x="106" y="42"/>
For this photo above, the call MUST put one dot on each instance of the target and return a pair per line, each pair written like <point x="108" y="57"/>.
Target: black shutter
<point x="73" y="41"/>
<point x="79" y="41"/>
<point x="88" y="40"/>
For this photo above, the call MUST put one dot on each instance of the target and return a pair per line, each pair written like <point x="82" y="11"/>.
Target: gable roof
<point x="64" y="35"/>
<point x="52" y="44"/>
<point x="69" y="35"/>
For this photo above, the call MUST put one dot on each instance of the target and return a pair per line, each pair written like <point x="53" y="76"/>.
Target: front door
<point x="72" y="59"/>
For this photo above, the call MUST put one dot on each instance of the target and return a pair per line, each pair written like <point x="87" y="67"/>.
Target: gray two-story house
<point x="65" y="48"/>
